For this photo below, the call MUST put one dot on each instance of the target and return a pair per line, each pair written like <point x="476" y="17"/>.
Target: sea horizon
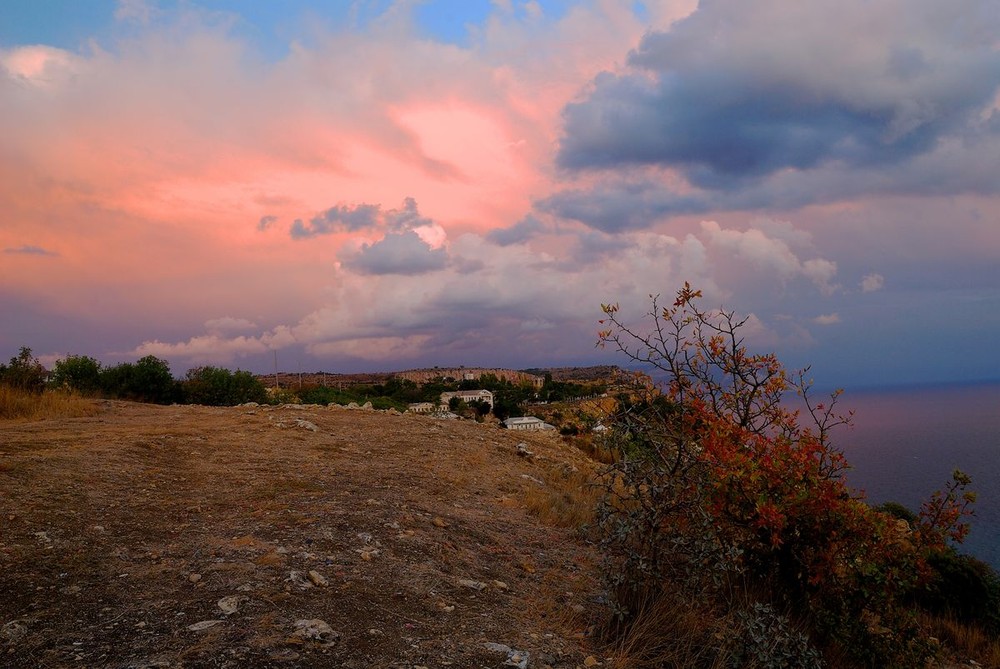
<point x="906" y="440"/>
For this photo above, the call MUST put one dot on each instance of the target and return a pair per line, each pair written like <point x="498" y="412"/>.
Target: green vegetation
<point x="216" y="386"/>
<point x="77" y="372"/>
<point x="146" y="380"/>
<point x="24" y="372"/>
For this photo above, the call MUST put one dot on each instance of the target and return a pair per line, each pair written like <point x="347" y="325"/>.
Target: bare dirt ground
<point x="183" y="536"/>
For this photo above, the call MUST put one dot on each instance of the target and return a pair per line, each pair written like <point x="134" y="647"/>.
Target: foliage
<point x="278" y="396"/>
<point x="77" y="372"/>
<point x="899" y="512"/>
<point x="717" y="481"/>
<point x="24" y="372"/>
<point x="146" y="380"/>
<point x="558" y="391"/>
<point x="358" y="394"/>
<point x="325" y="395"/>
<point x="384" y="403"/>
<point x="509" y="400"/>
<point x="766" y="639"/>
<point x="964" y="588"/>
<point x="216" y="386"/>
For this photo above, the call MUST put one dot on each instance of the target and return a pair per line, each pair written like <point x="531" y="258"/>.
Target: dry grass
<point x="105" y="521"/>
<point x="568" y="498"/>
<point x="967" y="641"/>
<point x="669" y="632"/>
<point x="20" y="405"/>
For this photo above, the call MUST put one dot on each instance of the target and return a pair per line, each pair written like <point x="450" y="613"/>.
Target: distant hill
<point x="609" y="374"/>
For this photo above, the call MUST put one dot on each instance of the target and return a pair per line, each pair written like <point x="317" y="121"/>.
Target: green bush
<point x="384" y="403"/>
<point x="963" y="587"/>
<point x="765" y="639"/>
<point x="899" y="512"/>
<point x="326" y="395"/>
<point x="217" y="386"/>
<point x="77" y="372"/>
<point x="147" y="380"/>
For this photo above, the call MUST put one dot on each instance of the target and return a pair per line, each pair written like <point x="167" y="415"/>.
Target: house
<point x="469" y="396"/>
<point x="421" y="407"/>
<point x="527" y="423"/>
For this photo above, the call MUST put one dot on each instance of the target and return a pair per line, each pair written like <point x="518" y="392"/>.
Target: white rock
<point x="231" y="604"/>
<point x="204" y="625"/>
<point x="299" y="580"/>
<point x="515" y="658"/>
<point x="475" y="585"/>
<point x="316" y="630"/>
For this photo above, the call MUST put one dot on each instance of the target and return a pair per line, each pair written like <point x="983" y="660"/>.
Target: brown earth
<point x="183" y="536"/>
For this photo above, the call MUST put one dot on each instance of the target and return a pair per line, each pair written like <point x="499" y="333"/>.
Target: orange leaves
<point x="686" y="295"/>
<point x="944" y="515"/>
<point x="719" y="476"/>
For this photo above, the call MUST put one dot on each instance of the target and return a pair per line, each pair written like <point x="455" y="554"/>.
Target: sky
<point x="380" y="185"/>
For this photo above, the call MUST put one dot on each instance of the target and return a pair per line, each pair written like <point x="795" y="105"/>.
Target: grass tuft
<point x="568" y="499"/>
<point x="668" y="631"/>
<point x="969" y="642"/>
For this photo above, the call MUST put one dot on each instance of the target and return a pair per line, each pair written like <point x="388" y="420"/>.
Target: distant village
<point x="532" y="399"/>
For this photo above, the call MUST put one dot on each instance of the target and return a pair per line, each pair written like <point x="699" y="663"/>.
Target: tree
<point x="209" y="386"/>
<point x="717" y="481"/>
<point x="153" y="381"/>
<point x="24" y="372"/>
<point x="217" y="386"/>
<point x="77" y="372"/>
<point x="146" y="380"/>
<point x="245" y="387"/>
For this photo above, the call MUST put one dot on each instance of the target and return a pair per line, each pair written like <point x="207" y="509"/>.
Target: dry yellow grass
<point x="968" y="641"/>
<point x="569" y="498"/>
<point x="671" y="632"/>
<point x="123" y="530"/>
<point x="17" y="404"/>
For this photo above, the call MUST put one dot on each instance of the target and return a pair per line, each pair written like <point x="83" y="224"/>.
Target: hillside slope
<point x="184" y="536"/>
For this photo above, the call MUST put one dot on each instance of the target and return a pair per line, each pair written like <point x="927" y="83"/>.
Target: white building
<point x="527" y="423"/>
<point x="469" y="396"/>
<point x="421" y="407"/>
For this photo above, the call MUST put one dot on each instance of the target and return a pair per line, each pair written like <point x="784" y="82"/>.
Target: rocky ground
<point x="292" y="536"/>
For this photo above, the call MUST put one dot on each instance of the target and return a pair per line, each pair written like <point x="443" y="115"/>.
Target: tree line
<point x="149" y="379"/>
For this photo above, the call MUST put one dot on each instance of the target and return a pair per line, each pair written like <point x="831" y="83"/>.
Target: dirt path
<point x="280" y="536"/>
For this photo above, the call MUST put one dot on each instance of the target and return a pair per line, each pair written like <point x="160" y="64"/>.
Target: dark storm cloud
<point x="397" y="253"/>
<point x="740" y="91"/>
<point x="405" y="218"/>
<point x="619" y="205"/>
<point x="341" y="218"/>
<point x="520" y="232"/>
<point x="344" y="218"/>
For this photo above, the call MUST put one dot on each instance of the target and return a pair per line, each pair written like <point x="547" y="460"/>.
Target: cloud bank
<point x="181" y="187"/>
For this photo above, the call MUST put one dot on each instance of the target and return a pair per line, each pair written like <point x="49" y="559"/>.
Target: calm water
<point x="906" y="443"/>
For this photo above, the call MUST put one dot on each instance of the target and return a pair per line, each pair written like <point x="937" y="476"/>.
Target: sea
<point x="906" y="442"/>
